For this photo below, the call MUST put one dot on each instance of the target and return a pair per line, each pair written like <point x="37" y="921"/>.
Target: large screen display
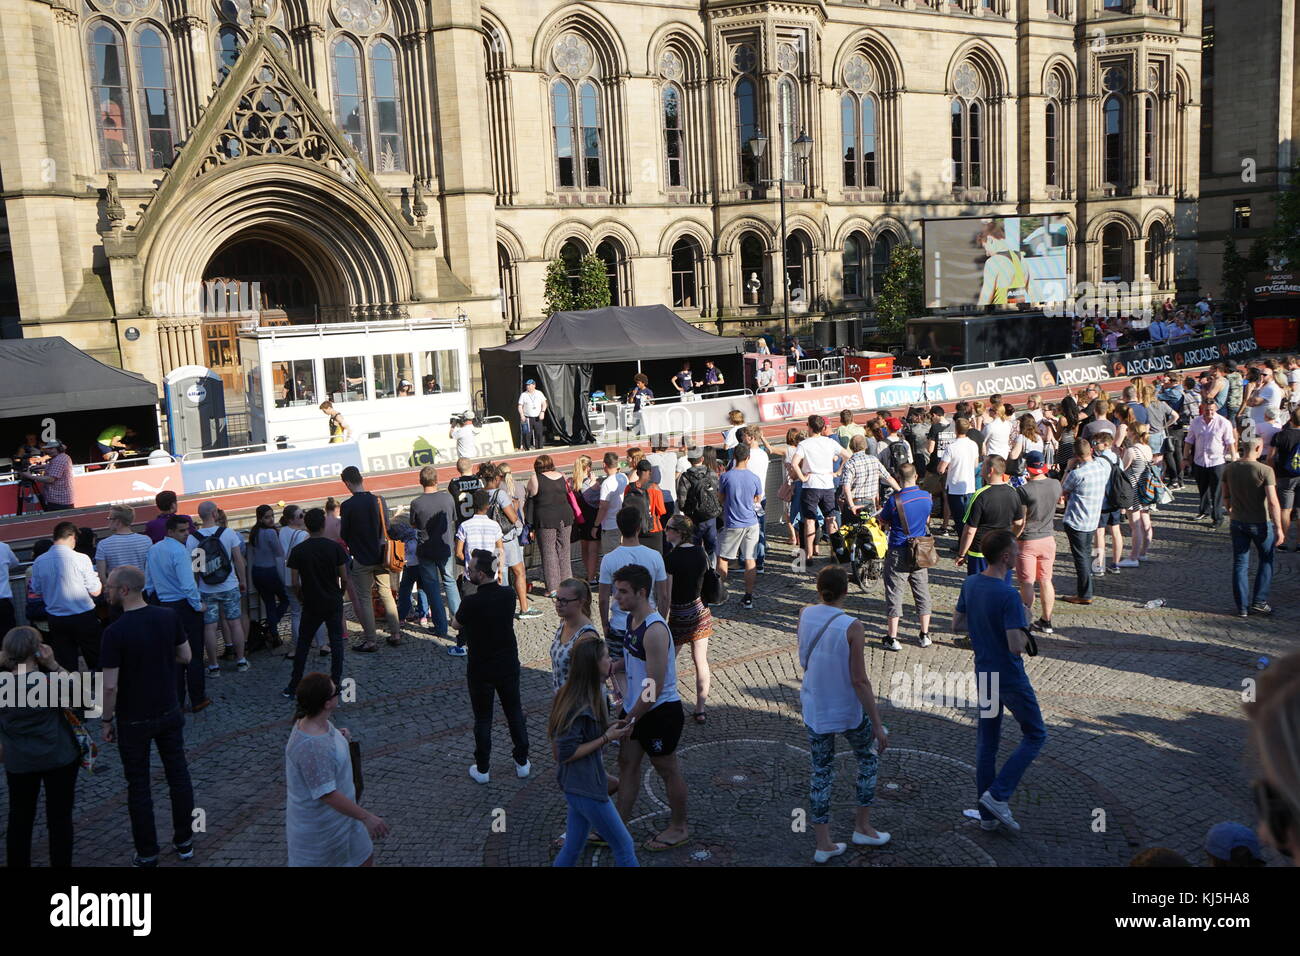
<point x="1002" y="261"/>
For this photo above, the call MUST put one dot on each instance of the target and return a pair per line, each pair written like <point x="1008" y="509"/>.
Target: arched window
<point x="349" y="100"/>
<point x="610" y="253"/>
<point x="747" y="127"/>
<point x="753" y="282"/>
<point x="685" y="258"/>
<point x="853" y="250"/>
<point x="858" y="132"/>
<point x="573" y="252"/>
<point x="1113" y="136"/>
<point x="1157" y="249"/>
<point x="880" y="254"/>
<point x="386" y="108"/>
<point x="795" y="278"/>
<point x="1052" y="142"/>
<point x="674" y="138"/>
<point x="589" y="116"/>
<point x="506" y="284"/>
<point x="229" y="43"/>
<point x="958" y="143"/>
<point x="566" y="173"/>
<point x="1114" y="253"/>
<point x="788" y="125"/>
<point x="967" y="127"/>
<point x="975" y="146"/>
<point x="155" y="87"/>
<point x="112" y="98"/>
<point x="1149" y="140"/>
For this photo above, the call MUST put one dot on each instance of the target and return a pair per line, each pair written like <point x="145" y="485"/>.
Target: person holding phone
<point x="579" y="728"/>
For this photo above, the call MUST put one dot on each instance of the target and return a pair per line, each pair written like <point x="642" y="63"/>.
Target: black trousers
<point x="75" y="634"/>
<point x="135" y="741"/>
<point x="312" y="618"/>
<point x="6" y="616"/>
<point x="190" y="678"/>
<point x="481" y="690"/>
<point x="24" y="789"/>
<point x="1208" y="483"/>
<point x="1173" y="452"/>
<point x="1081" y="552"/>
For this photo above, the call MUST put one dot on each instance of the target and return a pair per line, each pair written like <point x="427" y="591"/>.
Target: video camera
<point x="460" y="418"/>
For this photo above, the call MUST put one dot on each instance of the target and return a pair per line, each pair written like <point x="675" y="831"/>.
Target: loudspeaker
<point x="824" y="333"/>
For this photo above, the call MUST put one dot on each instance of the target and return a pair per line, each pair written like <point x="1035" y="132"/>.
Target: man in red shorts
<point x="1038" y="495"/>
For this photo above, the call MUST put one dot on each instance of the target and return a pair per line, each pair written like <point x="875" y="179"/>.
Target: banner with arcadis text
<point x="1189" y="354"/>
<point x="1001" y="379"/>
<point x="232" y="472"/>
<point x="434" y="447"/>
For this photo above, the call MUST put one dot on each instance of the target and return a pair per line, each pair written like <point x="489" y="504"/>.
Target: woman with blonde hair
<point x="586" y="487"/>
<point x="1027" y="438"/>
<point x="1135" y="460"/>
<point x="38" y="749"/>
<point x="793" y="504"/>
<point x="579" y="727"/>
<point x="998" y="432"/>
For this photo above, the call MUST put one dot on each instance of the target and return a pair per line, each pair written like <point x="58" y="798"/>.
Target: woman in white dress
<point x="324" y="824"/>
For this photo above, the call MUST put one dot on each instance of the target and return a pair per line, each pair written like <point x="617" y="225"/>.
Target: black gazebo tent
<point x="562" y="354"/>
<point x="50" y="378"/>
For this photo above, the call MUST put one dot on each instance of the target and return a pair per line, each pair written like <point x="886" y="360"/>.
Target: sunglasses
<point x="1275" y="811"/>
<point x="564" y="600"/>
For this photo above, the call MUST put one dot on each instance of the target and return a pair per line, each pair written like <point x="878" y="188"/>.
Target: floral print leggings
<point x="823" y="768"/>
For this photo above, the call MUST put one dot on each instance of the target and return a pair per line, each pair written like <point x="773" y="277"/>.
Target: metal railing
<point x="1004" y="363"/>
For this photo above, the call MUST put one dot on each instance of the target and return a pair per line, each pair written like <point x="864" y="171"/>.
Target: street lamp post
<point x="802" y="147"/>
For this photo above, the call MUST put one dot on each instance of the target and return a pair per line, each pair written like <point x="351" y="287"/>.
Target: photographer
<point x="54" y="482"/>
<point x="465" y="432"/>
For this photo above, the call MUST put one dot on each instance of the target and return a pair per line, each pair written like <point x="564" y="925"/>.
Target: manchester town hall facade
<point x="352" y="160"/>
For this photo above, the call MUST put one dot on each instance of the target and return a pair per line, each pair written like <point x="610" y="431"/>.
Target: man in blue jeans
<point x="1250" y="497"/>
<point x="433" y="515"/>
<point x="139" y="653"/>
<point x="989" y="610"/>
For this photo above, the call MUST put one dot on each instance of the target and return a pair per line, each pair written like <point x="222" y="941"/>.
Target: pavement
<point x="1146" y="746"/>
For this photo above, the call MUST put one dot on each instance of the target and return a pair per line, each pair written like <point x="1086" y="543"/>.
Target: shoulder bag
<point x="804" y="659"/>
<point x="919" y="552"/>
<point x="394" y="553"/>
<point x="578" y="516"/>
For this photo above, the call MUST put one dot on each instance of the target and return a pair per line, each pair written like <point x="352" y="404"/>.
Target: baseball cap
<point x="469" y="415"/>
<point x="694" y="453"/>
<point x="1223" y="838"/>
<point x="895" y="424"/>
<point x="531" y="381"/>
<point x="1035" y="463"/>
<point x="53" y="443"/>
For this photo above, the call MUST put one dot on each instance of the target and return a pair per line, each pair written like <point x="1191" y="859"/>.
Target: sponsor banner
<point x="802" y="402"/>
<point x="417" y="449"/>
<point x="126" y="485"/>
<point x="1004" y="379"/>
<point x="232" y="472"/>
<point x="1072" y="372"/>
<point x="1274" y="285"/>
<point x="909" y="390"/>
<point x="1189" y="354"/>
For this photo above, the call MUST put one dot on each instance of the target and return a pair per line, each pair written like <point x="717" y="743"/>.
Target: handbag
<point x="920" y="551"/>
<point x="85" y="743"/>
<point x="578" y="516"/>
<point x="785" y="492"/>
<point x="394" y="556"/>
<point x="354" y="756"/>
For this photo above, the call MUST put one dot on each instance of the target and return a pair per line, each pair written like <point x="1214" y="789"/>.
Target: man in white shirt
<point x="663" y="465"/>
<point x="958" y="465"/>
<point x="1267" y="395"/>
<point x="8" y="561"/>
<point x="611" y="500"/>
<point x="532" y="411"/>
<point x="814" y="464"/>
<point x="223" y="597"/>
<point x="613" y="619"/>
<point x="64" y="578"/>
<point x="759" y="460"/>
<point x="466" y="437"/>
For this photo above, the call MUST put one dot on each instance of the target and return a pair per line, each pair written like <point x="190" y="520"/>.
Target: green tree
<point x="558" y="296"/>
<point x="1286" y="229"/>
<point x="1234" y="271"/>
<point x="903" y="294"/>
<point x="593" y="284"/>
<point x="1257" y="258"/>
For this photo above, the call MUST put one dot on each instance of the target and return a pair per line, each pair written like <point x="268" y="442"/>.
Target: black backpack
<point x="704" y="499"/>
<point x="635" y="497"/>
<point x="900" y="453"/>
<point x="1119" y="490"/>
<point x="216" y="561"/>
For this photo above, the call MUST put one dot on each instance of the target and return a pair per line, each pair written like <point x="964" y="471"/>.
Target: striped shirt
<point x="1085" y="486"/>
<point x="119" y="549"/>
<point x="480" y="533"/>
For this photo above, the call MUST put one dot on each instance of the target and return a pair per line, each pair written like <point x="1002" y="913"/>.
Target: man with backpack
<point x="1234" y="392"/>
<point x="644" y="495"/>
<point x="222" y="583"/>
<point x="502" y="510"/>
<point x="1117" y="501"/>
<point x="699" y="496"/>
<point x="743" y="491"/>
<point x="1285" y="458"/>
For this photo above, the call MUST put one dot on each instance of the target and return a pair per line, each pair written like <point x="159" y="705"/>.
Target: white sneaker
<point x="478" y="777"/>
<point x="1128" y="563"/>
<point x="821" y="856"/>
<point x="523" y="769"/>
<point x="1097" y="568"/>
<point x="861" y="839"/>
<point x="999" y="809"/>
<point x="925" y="641"/>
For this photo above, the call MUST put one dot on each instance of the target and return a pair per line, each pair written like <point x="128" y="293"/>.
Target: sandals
<point x="699" y="717"/>
<point x="656" y="845"/>
<point x="369" y="647"/>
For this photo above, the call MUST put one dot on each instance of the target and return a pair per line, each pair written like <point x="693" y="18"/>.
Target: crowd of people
<point x="658" y="534"/>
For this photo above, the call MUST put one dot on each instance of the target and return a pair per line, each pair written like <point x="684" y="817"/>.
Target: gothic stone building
<point x="366" y="159"/>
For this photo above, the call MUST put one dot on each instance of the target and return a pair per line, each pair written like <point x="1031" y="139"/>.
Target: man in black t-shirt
<point x="140" y="653"/>
<point x="994" y="507"/>
<point x="1285" y="445"/>
<point x="317" y="575"/>
<point x="487" y="620"/>
<point x="363" y="519"/>
<point x="434" y="514"/>
<point x="462" y="489"/>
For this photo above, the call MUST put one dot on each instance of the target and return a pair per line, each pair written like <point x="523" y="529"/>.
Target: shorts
<point x="1287" y="490"/>
<point x="514" y="552"/>
<point x="227" y="604"/>
<point x="1110" y="519"/>
<point x="659" y="730"/>
<point x="738" y="544"/>
<point x="1036" y="560"/>
<point x="815" y="499"/>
